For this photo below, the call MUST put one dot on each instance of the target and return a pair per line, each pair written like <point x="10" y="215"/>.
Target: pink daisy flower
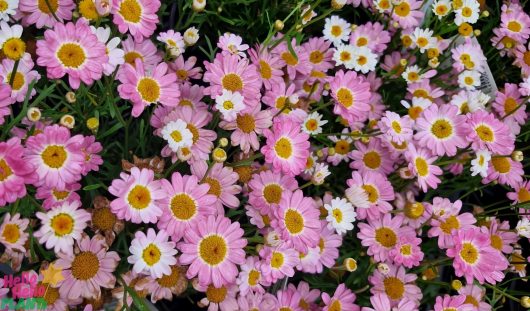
<point x="445" y="225"/>
<point x="257" y="301"/>
<point x="173" y="41"/>
<point x="516" y="25"/>
<point x="441" y="129"/>
<point x="351" y="94"/>
<point x="381" y="235"/>
<point x="213" y="249"/>
<point x="278" y="262"/>
<point x="185" y="69"/>
<point x="139" y="196"/>
<point x="268" y="189"/>
<point x="250" y="279"/>
<point x="475" y="258"/>
<point x="328" y="248"/>
<point x="93" y="160"/>
<point x="88" y="269"/>
<point x="5" y="101"/>
<point x="381" y="302"/>
<point x="230" y="43"/>
<point x="504" y="170"/>
<point x="287" y="148"/>
<point x="420" y="164"/>
<point x="57" y="156"/>
<point x="501" y="237"/>
<point x="297" y="220"/>
<point x="61" y="226"/>
<point x="300" y="65"/>
<point x="231" y="73"/>
<point x="136" y="16"/>
<point x="415" y="212"/>
<point x="343" y="299"/>
<point x="396" y="128"/>
<point x="457" y="303"/>
<point x="379" y="192"/>
<point x="308" y="296"/>
<point x="372" y="35"/>
<point x="143" y="88"/>
<point x="222" y="298"/>
<point x="320" y="54"/>
<point x="152" y="254"/>
<point x="146" y="51"/>
<point x="288" y="299"/>
<point x="250" y="123"/>
<point x="408" y="13"/>
<point x="12" y="232"/>
<point x="522" y="59"/>
<point x="268" y="65"/>
<point x="185" y="204"/>
<point x="396" y="284"/>
<point x="53" y="197"/>
<point x="191" y="95"/>
<point x="521" y="192"/>
<point x="475" y="295"/>
<point x="34" y="12"/>
<point x="506" y="103"/>
<point x="15" y="171"/>
<point x="407" y="251"/>
<point x="74" y="50"/>
<point x="486" y="131"/>
<point x="371" y="158"/>
<point x="166" y="286"/>
<point x="23" y="76"/>
<point x="222" y="181"/>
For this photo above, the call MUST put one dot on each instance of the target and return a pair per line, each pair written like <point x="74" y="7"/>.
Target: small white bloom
<point x="469" y="79"/>
<point x="364" y="60"/>
<point x="357" y="196"/>
<point x="67" y="121"/>
<point x="383" y="6"/>
<point x="336" y="30"/>
<point x="479" y="165"/>
<point x="441" y="8"/>
<point x="313" y="123"/>
<point x="177" y="135"/>
<point x="523" y="228"/>
<point x="33" y="114"/>
<point x="7" y="8"/>
<point x="229" y="104"/>
<point x="344" y="55"/>
<point x="307" y="14"/>
<point x="320" y="173"/>
<point x="273" y="238"/>
<point x="115" y="54"/>
<point x="468" y="12"/>
<point x="8" y="32"/>
<point x="423" y="39"/>
<point x="412" y="74"/>
<point x="341" y="215"/>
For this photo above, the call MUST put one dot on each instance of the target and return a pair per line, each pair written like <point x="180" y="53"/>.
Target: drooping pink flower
<point x="53" y="197"/>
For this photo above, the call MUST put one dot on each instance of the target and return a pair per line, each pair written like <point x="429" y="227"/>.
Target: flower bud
<point x="405" y="173"/>
<point x="525" y="302"/>
<point x="477" y="32"/>
<point x="67" y="121"/>
<point x="319" y="153"/>
<point x="198" y="5"/>
<point x="331" y="151"/>
<point x="485" y="14"/>
<point x="92" y="124"/>
<point x="103" y="7"/>
<point x="219" y="155"/>
<point x="517" y="156"/>
<point x="456" y="284"/>
<point x="350" y="264"/>
<point x="338" y="4"/>
<point x="383" y="268"/>
<point x="433" y="62"/>
<point x="278" y="25"/>
<point x="70" y="97"/>
<point x="34" y="114"/>
<point x="184" y="154"/>
<point x="223" y="142"/>
<point x="191" y="36"/>
<point x="403" y="62"/>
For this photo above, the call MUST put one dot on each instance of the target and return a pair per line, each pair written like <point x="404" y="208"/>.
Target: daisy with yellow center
<point x="336" y="30"/>
<point x="396" y="284"/>
<point x="12" y="232"/>
<point x="279" y="262"/>
<point x="138" y="17"/>
<point x="12" y="45"/>
<point x="152" y="253"/>
<point x="177" y="135"/>
<point x="341" y="215"/>
<point x="441" y="8"/>
<point x="313" y="123"/>
<point x="61" y="226"/>
<point x="420" y="164"/>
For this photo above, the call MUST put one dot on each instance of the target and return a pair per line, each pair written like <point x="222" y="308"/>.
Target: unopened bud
<point x="350" y="264"/>
<point x="525" y="302"/>
<point x="278" y="25"/>
<point x="223" y="142"/>
<point x="477" y="32"/>
<point x="365" y="139"/>
<point x="517" y="156"/>
<point x="433" y="62"/>
<point x="485" y="13"/>
<point x="331" y="151"/>
<point x="184" y="154"/>
<point x="92" y="124"/>
<point x="327" y="86"/>
<point x="219" y="155"/>
<point x="70" y="97"/>
<point x="67" y="121"/>
<point x="403" y="62"/>
<point x="405" y="173"/>
<point x="34" y="114"/>
<point x="353" y="27"/>
<point x="338" y="4"/>
<point x="383" y="268"/>
<point x="198" y="5"/>
<point x="319" y="153"/>
<point x="395" y="24"/>
<point x="191" y="36"/>
<point x="220" y="9"/>
<point x="456" y="284"/>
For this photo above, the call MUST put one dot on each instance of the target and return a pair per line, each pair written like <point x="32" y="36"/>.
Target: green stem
<point x="502" y="293"/>
<point x="13" y="73"/>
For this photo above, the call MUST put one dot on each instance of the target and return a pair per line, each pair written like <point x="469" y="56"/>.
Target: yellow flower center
<point x="413" y="76"/>
<point x="403" y="9"/>
<point x="213" y="250"/>
<point x="422" y="167"/>
<point x="396" y="126"/>
<point x="496" y="242"/>
<point x="442" y="129"/>
<point x="405" y="249"/>
<point x="345" y="97"/>
<point x="85" y="266"/>
<point x="345" y="56"/>
<point x="386" y="237"/>
<point x="294" y="221"/>
<point x="44" y="8"/>
<point x="509" y="105"/>
<point x="11" y="233"/>
<point x="469" y="253"/>
<point x="518" y="262"/>
<point x="371" y="191"/>
<point x="311" y="125"/>
<point x="216" y="295"/>
<point x="414" y="112"/>
<point x="5" y="170"/>
<point x="362" y="41"/>
<point x="183" y="206"/>
<point x="244" y="172"/>
<point x="103" y="219"/>
<point x="283" y="148"/>
<point x="384" y="4"/>
<point x="337" y="214"/>
<point x="87" y="8"/>
<point x="342" y="147"/>
<point x="232" y="82"/>
<point x="62" y="224"/>
<point x="471" y="300"/>
<point x="514" y="26"/>
<point x="60" y="195"/>
<point x="316" y="57"/>
<point x="523" y="195"/>
<point x="246" y="123"/>
<point x="228" y="105"/>
<point x="450" y="224"/>
<point x="18" y="81"/>
<point x="253" y="277"/>
<point x="151" y="254"/>
<point x="362" y="60"/>
<point x="3" y="5"/>
<point x="215" y="186"/>
<point x="336" y="30"/>
<point x="422" y="42"/>
<point x="139" y="197"/>
<point x="277" y="260"/>
<point x="71" y="55"/>
<point x="372" y="159"/>
<point x="414" y="210"/>
<point x="394" y="287"/>
<point x="272" y="193"/>
<point x="501" y="164"/>
<point x="289" y="59"/>
<point x="335" y="305"/>
<point x="170" y="280"/>
<point x="131" y="11"/>
<point x="130" y="57"/>
<point x="176" y="135"/>
<point x="441" y="9"/>
<point x="526" y="58"/>
<point x="194" y="132"/>
<point x="265" y="69"/>
<point x="149" y="89"/>
<point x="467" y="11"/>
<point x="51" y="295"/>
<point x="485" y="133"/>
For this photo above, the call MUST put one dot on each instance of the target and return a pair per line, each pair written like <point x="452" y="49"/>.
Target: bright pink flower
<point x="343" y="299"/>
<point x="74" y="50"/>
<point x="446" y="225"/>
<point x="268" y="189"/>
<point x="88" y="269"/>
<point x="475" y="258"/>
<point x="441" y="129"/>
<point x="408" y="14"/>
<point x="501" y="236"/>
<point x="213" y="249"/>
<point x="297" y="221"/>
<point x="328" y="248"/>
<point x="420" y="164"/>
<point x="13" y="235"/>
<point x="250" y="278"/>
<point x="5" y="101"/>
<point x="457" y="303"/>
<point x="143" y="88"/>
<point x="521" y="192"/>
<point x="288" y="299"/>
<point x="510" y="106"/>
<point x="379" y="192"/>
<point x="475" y="295"/>
<point x="53" y="197"/>
<point x="504" y="170"/>
<point x="222" y="298"/>
<point x="15" y="171"/>
<point x="371" y="158"/>
<point x="516" y="25"/>
<point x="381" y="235"/>
<point x="139" y="196"/>
<point x="34" y="13"/>
<point x="185" y="203"/>
<point x="146" y="51"/>
<point x="351" y="94"/>
<point x="484" y="130"/>
<point x="268" y="65"/>
<point x="136" y="16"/>
<point x="57" y="156"/>
<point x="396" y="284"/>
<point x="320" y="54"/>
<point x="185" y="70"/>
<point x="407" y="251"/>
<point x="396" y="128"/>
<point x="278" y="262"/>
<point x="23" y="77"/>
<point x="296" y="67"/>
<point x="372" y="35"/>
<point x="93" y="160"/>
<point x="308" y="296"/>
<point x="231" y="73"/>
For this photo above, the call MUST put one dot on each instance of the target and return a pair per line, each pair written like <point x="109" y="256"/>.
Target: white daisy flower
<point x="177" y="135"/>
<point x="7" y="8"/>
<point x="469" y="79"/>
<point x="191" y="36"/>
<point x="313" y="123"/>
<point x="441" y="8"/>
<point x="152" y="253"/>
<point x="468" y="12"/>
<point x="320" y="173"/>
<point x="115" y="54"/>
<point x="523" y="228"/>
<point x="341" y="215"/>
<point x="344" y="55"/>
<point x="479" y="165"/>
<point x="364" y="60"/>
<point x="423" y="39"/>
<point x="229" y="104"/>
<point x="336" y="30"/>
